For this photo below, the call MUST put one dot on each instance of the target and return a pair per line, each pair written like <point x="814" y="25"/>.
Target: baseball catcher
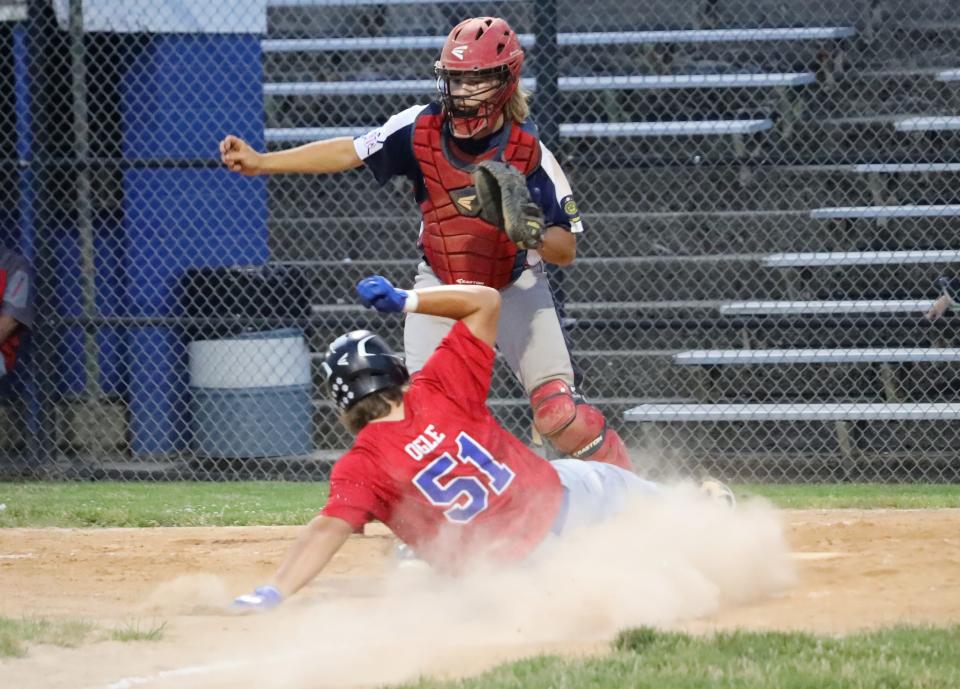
<point x="496" y="208"/>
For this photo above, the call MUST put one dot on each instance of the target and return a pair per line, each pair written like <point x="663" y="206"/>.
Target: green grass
<point x="859" y="495"/>
<point x="17" y="634"/>
<point x="138" y="631"/>
<point x="898" y="658"/>
<point x="159" y="504"/>
<point x="278" y="502"/>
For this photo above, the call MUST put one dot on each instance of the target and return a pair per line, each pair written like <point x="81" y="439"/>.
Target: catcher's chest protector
<point x="462" y="247"/>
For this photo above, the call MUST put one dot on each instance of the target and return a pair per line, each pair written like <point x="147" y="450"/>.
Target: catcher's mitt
<point x="505" y="202"/>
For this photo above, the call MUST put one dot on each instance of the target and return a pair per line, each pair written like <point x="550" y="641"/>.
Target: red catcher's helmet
<point x="479" y="50"/>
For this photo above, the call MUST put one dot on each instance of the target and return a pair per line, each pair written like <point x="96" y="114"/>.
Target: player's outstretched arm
<point x="318" y="157"/>
<point x="478" y="307"/>
<point x="314" y="548"/>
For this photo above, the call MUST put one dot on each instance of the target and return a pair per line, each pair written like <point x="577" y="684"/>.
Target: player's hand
<point x="939" y="307"/>
<point x="376" y="292"/>
<point x="262" y="598"/>
<point x="946" y="299"/>
<point x="239" y="156"/>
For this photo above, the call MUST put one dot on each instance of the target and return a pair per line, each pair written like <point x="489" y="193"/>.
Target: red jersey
<point x="16" y="301"/>
<point x="448" y="479"/>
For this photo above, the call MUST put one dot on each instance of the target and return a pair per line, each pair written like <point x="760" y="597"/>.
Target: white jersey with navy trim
<point x="388" y="152"/>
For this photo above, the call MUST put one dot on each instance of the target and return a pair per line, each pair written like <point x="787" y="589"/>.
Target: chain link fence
<point x="769" y="191"/>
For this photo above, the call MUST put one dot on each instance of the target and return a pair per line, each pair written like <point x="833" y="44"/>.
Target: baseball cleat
<point x="718" y="492"/>
<point x="407" y="558"/>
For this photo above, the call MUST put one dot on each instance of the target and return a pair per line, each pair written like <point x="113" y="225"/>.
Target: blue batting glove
<point x="376" y="292"/>
<point x="262" y="598"/>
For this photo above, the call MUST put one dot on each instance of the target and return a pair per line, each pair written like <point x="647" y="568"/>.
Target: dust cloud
<point x="191" y="594"/>
<point x="666" y="560"/>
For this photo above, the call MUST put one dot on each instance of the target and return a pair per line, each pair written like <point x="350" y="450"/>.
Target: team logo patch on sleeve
<point x="373" y="142"/>
<point x="570" y="208"/>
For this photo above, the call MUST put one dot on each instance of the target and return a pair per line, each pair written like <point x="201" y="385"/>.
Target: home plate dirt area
<point x="365" y="621"/>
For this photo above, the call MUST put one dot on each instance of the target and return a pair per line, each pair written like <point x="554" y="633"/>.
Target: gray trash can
<point x="251" y="395"/>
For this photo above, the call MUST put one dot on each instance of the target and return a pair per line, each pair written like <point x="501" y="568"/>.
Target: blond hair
<point x="517" y="108"/>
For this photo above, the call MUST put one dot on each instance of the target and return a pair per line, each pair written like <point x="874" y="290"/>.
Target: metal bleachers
<point x="825" y="307"/>
<point x="819" y="259"/>
<point x="696" y="284"/>
<point x="907" y="210"/>
<point x="897" y="168"/>
<point x="875" y="355"/>
<point x="600" y="38"/>
<point x="701" y="126"/>
<point x="682" y="128"/>
<point x="799" y="411"/>
<point x="930" y="123"/>
<point x="568" y="130"/>
<point x="600" y="83"/>
<point x="685" y="81"/>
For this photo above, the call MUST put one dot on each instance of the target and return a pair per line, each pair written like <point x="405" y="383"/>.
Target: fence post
<point x="35" y="139"/>
<point x="547" y="55"/>
<point x="84" y="203"/>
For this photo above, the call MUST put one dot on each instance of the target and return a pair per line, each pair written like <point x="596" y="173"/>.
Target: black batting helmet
<point x="359" y="364"/>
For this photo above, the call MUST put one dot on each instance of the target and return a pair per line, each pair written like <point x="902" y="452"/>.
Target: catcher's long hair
<point x="517" y="108"/>
<point x="370" y="408"/>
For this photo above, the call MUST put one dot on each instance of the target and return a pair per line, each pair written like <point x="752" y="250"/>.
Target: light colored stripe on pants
<point x="530" y="337"/>
<point x="598" y="491"/>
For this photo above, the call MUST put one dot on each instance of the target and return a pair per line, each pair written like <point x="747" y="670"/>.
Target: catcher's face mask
<point x="474" y="100"/>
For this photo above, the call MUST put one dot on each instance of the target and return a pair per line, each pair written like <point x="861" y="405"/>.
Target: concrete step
<point x="304" y="19"/>
<point x="649" y="279"/>
<point x="605" y="374"/>
<point x="809" y="141"/>
<point x="790" y="450"/>
<point x="351" y="193"/>
<point x="725" y="444"/>
<point x="886" y="16"/>
<point x="629" y="233"/>
<point x="513" y="414"/>
<point x="590" y="327"/>
<point x="614" y="189"/>
<point x="642" y="374"/>
<point x="910" y="281"/>
<point x="656" y="279"/>
<point x="869" y="138"/>
<point x="709" y="188"/>
<point x="344" y="238"/>
<point x="679" y="326"/>
<point x="622" y="332"/>
<point x="930" y="382"/>
<point x="849" y="94"/>
<point x="892" y="90"/>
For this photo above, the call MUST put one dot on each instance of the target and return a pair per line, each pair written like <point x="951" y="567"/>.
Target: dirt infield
<point x="854" y="569"/>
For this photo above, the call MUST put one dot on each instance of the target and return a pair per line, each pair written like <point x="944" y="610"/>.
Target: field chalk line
<point x="128" y="682"/>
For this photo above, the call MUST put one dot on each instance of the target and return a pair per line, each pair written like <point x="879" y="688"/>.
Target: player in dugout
<point x="949" y="288"/>
<point x="16" y="306"/>
<point x="430" y="461"/>
<point x="481" y="114"/>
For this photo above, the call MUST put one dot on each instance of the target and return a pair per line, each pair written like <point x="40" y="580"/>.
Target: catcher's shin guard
<point x="576" y="428"/>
